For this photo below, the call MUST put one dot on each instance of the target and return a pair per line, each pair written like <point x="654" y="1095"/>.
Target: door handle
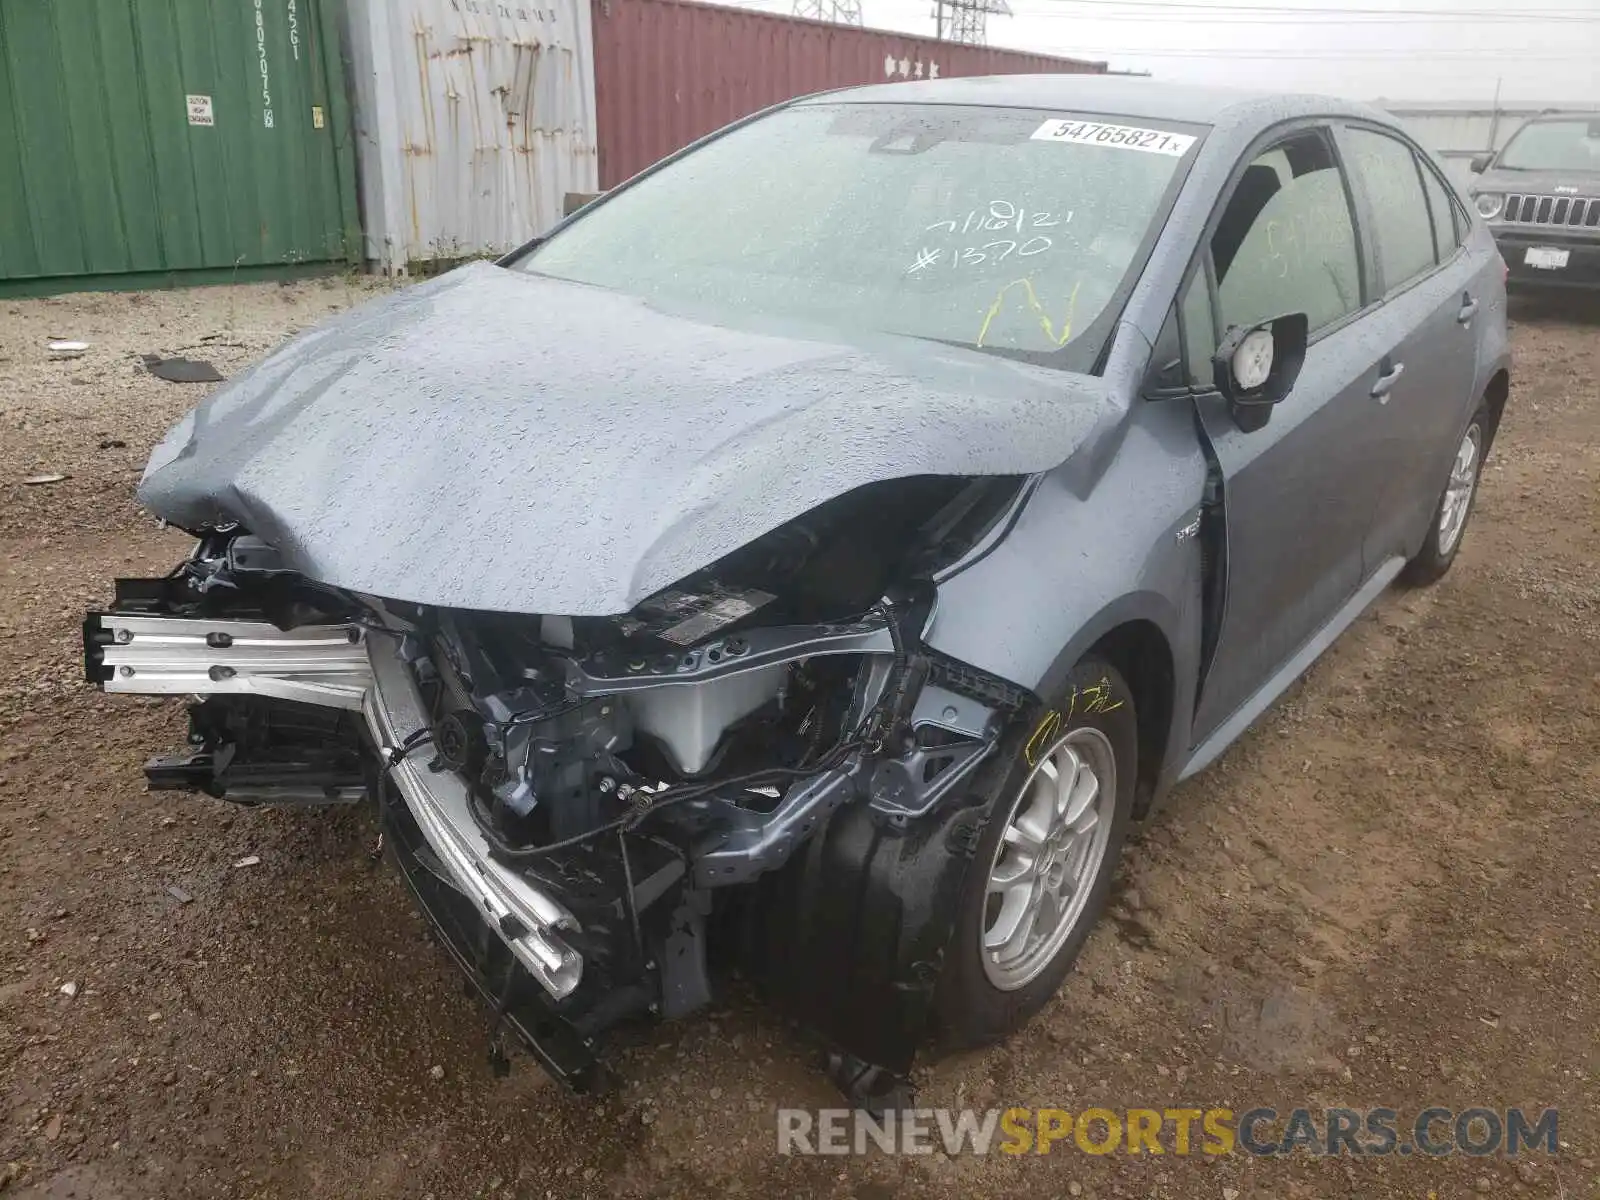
<point x="1391" y="374"/>
<point x="1469" y="309"/>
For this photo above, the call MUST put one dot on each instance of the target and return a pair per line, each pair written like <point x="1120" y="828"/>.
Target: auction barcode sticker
<point x="1123" y="137"/>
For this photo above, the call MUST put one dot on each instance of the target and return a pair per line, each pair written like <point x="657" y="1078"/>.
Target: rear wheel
<point x="1057" y="816"/>
<point x="1449" y="524"/>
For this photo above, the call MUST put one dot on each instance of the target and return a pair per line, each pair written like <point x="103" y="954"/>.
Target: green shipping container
<point x="171" y="141"/>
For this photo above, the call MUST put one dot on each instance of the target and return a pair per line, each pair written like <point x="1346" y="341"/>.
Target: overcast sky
<point x="1542" y="50"/>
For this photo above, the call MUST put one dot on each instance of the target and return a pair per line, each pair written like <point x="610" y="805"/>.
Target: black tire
<point x="1434" y="559"/>
<point x="970" y="1009"/>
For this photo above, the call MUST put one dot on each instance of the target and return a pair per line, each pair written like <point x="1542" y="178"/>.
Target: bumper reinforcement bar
<point x="182" y="656"/>
<point x="345" y="667"/>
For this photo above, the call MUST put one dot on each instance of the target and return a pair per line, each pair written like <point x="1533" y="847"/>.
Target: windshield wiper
<point x="1037" y="358"/>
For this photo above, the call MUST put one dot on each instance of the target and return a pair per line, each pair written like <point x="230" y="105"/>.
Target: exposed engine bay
<point x="591" y="797"/>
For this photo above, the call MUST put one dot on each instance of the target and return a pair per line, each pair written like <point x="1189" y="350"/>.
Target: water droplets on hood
<point x="496" y="440"/>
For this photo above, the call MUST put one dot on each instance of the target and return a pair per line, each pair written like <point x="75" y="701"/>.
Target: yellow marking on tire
<point x="1041" y="737"/>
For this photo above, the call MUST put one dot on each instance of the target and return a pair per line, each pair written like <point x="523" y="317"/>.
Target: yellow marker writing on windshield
<point x="1033" y="302"/>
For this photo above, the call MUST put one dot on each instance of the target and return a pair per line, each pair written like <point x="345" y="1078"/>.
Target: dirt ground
<point x="1383" y="896"/>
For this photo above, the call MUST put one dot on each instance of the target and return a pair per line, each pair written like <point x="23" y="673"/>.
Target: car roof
<point x="1122" y="95"/>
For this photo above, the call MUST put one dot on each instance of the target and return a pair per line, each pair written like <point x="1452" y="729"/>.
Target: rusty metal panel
<point x="474" y="118"/>
<point x="670" y="71"/>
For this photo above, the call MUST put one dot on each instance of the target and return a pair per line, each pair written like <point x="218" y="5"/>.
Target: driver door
<point x="1297" y="492"/>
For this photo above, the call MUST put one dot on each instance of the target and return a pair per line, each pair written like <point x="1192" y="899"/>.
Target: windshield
<point x="1001" y="229"/>
<point x="1572" y="145"/>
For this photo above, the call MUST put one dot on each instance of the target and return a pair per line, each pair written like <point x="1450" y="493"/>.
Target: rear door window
<point x="1446" y="223"/>
<point x="1387" y="171"/>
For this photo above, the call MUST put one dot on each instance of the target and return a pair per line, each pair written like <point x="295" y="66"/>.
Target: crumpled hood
<point x="496" y="440"/>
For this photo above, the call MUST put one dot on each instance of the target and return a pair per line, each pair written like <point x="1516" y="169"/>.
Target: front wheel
<point x="1455" y="506"/>
<point x="1057" y="815"/>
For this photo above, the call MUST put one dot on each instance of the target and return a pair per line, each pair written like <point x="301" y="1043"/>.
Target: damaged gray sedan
<point x="819" y="551"/>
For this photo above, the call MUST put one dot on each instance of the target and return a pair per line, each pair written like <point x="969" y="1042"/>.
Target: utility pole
<point x="968" y="19"/>
<point x="840" y="12"/>
<point x="1494" y="115"/>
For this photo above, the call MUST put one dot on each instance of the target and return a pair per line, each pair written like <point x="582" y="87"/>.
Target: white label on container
<point x="1121" y="137"/>
<point x="200" y="110"/>
<point x="316" y="116"/>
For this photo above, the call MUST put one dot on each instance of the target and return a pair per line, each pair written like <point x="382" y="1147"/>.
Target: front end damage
<point x="765" y="756"/>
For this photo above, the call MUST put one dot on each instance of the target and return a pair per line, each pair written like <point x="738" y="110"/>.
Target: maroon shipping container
<point x="669" y="71"/>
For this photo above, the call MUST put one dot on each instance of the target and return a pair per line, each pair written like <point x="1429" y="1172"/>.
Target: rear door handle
<point x="1391" y="374"/>
<point x="1469" y="309"/>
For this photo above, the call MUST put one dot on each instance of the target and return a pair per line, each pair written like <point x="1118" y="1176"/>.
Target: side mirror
<point x="1481" y="162"/>
<point x="1256" y="366"/>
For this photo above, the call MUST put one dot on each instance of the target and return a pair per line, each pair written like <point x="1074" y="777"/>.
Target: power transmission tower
<point x="840" y="12"/>
<point x="966" y="20"/>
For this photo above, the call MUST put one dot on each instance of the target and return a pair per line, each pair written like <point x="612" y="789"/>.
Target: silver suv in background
<point x="1541" y="198"/>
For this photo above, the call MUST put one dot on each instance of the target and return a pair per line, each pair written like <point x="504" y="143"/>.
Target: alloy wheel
<point x="1046" y="862"/>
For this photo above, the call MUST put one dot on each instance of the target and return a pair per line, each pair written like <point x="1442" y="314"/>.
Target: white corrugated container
<point x="474" y="118"/>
